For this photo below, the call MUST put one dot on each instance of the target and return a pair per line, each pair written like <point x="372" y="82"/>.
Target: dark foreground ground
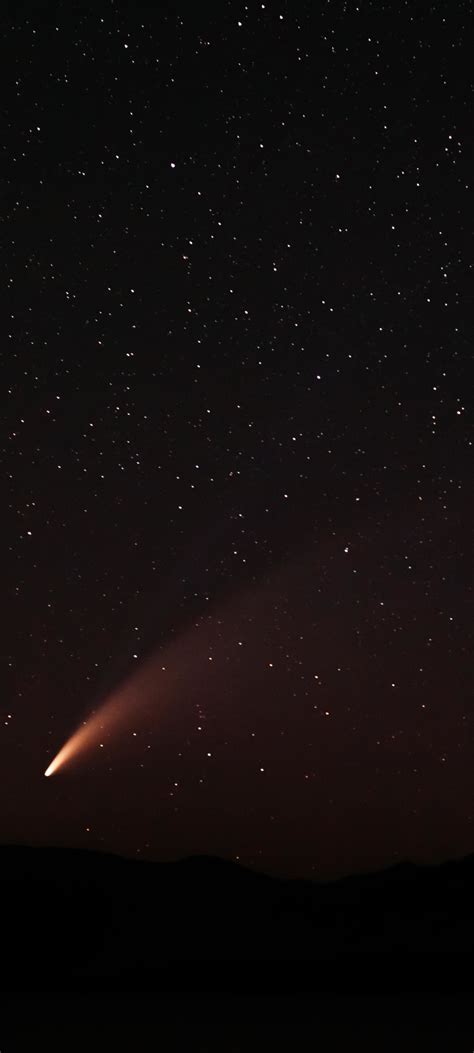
<point x="103" y="953"/>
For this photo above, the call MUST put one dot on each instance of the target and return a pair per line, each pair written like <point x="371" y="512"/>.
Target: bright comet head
<point x="117" y="709"/>
<point x="71" y="748"/>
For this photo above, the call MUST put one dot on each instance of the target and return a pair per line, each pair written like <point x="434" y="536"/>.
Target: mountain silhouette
<point x="72" y="917"/>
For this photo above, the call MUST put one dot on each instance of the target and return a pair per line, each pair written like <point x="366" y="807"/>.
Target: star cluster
<point x="237" y="431"/>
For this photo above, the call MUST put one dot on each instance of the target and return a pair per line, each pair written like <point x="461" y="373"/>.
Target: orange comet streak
<point x="81" y="738"/>
<point x="89" y="732"/>
<point x="68" y="750"/>
<point x="148" y="684"/>
<point x="120" y="708"/>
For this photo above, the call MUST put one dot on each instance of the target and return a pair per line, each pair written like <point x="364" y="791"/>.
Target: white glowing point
<point x="79" y="739"/>
<point x="114" y="712"/>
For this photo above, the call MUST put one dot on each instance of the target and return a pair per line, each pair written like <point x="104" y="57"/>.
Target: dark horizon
<point x="326" y="874"/>
<point x="81" y="921"/>
<point x="426" y="865"/>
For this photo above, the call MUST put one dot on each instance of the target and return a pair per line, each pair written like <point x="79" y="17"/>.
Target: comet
<point x="151" y="682"/>
<point x="73" y="746"/>
<point x="84" y="736"/>
<point x="173" y="672"/>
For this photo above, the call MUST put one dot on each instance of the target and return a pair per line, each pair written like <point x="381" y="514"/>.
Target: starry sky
<point x="236" y="443"/>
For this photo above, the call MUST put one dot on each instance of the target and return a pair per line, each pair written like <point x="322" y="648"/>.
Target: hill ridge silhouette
<point x="75" y="915"/>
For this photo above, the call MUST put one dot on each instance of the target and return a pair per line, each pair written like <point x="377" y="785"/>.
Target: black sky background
<point x="237" y="393"/>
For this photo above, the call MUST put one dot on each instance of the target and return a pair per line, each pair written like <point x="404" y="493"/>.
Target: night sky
<point x="236" y="443"/>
